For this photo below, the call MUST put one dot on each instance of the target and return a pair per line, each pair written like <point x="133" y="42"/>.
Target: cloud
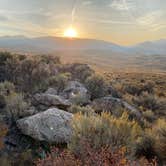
<point x="87" y="3"/>
<point x="159" y="27"/>
<point x="107" y="21"/>
<point x="121" y="5"/>
<point x="149" y="18"/>
<point x="3" y="18"/>
<point x="152" y="20"/>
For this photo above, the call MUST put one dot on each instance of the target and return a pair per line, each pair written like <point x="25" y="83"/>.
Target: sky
<point x="124" y="22"/>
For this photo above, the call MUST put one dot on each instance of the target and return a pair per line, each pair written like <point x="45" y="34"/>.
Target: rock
<point x="106" y="104"/>
<point x="51" y="91"/>
<point x="48" y="100"/>
<point x="135" y="112"/>
<point x="76" y="93"/>
<point x="52" y="126"/>
<point x="109" y="104"/>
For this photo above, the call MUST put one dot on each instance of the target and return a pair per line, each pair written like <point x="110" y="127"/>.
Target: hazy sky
<point x="120" y="21"/>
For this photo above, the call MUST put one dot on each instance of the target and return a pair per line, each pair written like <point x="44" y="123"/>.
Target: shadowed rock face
<point x="52" y="126"/>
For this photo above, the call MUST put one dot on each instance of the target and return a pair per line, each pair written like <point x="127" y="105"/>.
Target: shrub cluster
<point x="29" y="73"/>
<point x="59" y="81"/>
<point x="78" y="71"/>
<point x="103" y="130"/>
<point x="91" y="157"/>
<point x="138" y="88"/>
<point x="16" y="106"/>
<point x="97" y="86"/>
<point x="152" y="143"/>
<point x="13" y="104"/>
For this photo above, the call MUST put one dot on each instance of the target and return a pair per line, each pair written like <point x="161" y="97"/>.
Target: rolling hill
<point x="108" y="56"/>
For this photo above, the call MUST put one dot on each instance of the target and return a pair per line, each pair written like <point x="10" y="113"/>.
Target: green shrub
<point x="59" y="81"/>
<point x="11" y="68"/>
<point x="132" y="89"/>
<point x="82" y="72"/>
<point x="97" y="86"/>
<point x="149" y="116"/>
<point x="78" y="71"/>
<point x="39" y="77"/>
<point x="159" y="132"/>
<point x="147" y="101"/>
<point x="6" y="88"/>
<point x="50" y="59"/>
<point x="16" y="106"/>
<point x="148" y="87"/>
<point x="103" y="130"/>
<point x="145" y="147"/>
<point x="153" y="142"/>
<point x="138" y="88"/>
<point x="4" y="56"/>
<point x="33" y="75"/>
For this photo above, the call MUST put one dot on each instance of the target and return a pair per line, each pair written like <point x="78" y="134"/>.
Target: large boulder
<point x="46" y="100"/>
<point x="76" y="93"/>
<point x="52" y="126"/>
<point x="111" y="104"/>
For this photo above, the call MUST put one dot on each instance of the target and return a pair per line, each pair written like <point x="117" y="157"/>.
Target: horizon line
<point x="81" y="38"/>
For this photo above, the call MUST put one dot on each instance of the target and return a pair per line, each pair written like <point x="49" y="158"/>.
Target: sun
<point x="70" y="33"/>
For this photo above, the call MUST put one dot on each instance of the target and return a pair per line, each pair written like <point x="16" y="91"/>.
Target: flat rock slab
<point x="51" y="100"/>
<point x="52" y="126"/>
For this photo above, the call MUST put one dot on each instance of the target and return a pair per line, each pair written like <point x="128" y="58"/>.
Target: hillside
<point x="53" y="113"/>
<point x="149" y="56"/>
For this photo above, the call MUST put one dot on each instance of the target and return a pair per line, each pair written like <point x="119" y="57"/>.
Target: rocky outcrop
<point x="46" y="100"/>
<point x="76" y="93"/>
<point x="52" y="126"/>
<point x="109" y="104"/>
<point x="51" y="91"/>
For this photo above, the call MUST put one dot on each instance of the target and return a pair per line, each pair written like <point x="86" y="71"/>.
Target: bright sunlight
<point x="70" y="32"/>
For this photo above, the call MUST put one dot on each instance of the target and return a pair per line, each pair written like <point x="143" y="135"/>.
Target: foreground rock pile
<point x="49" y="120"/>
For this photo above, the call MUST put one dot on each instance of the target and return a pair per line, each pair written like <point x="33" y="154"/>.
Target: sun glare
<point x="70" y="32"/>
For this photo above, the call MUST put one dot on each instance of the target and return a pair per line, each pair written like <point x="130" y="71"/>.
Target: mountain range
<point x="100" y="54"/>
<point x="50" y="44"/>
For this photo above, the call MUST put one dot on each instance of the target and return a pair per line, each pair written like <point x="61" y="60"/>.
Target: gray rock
<point x="51" y="91"/>
<point x="109" y="104"/>
<point x="49" y="100"/>
<point x="52" y="126"/>
<point x="76" y="93"/>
